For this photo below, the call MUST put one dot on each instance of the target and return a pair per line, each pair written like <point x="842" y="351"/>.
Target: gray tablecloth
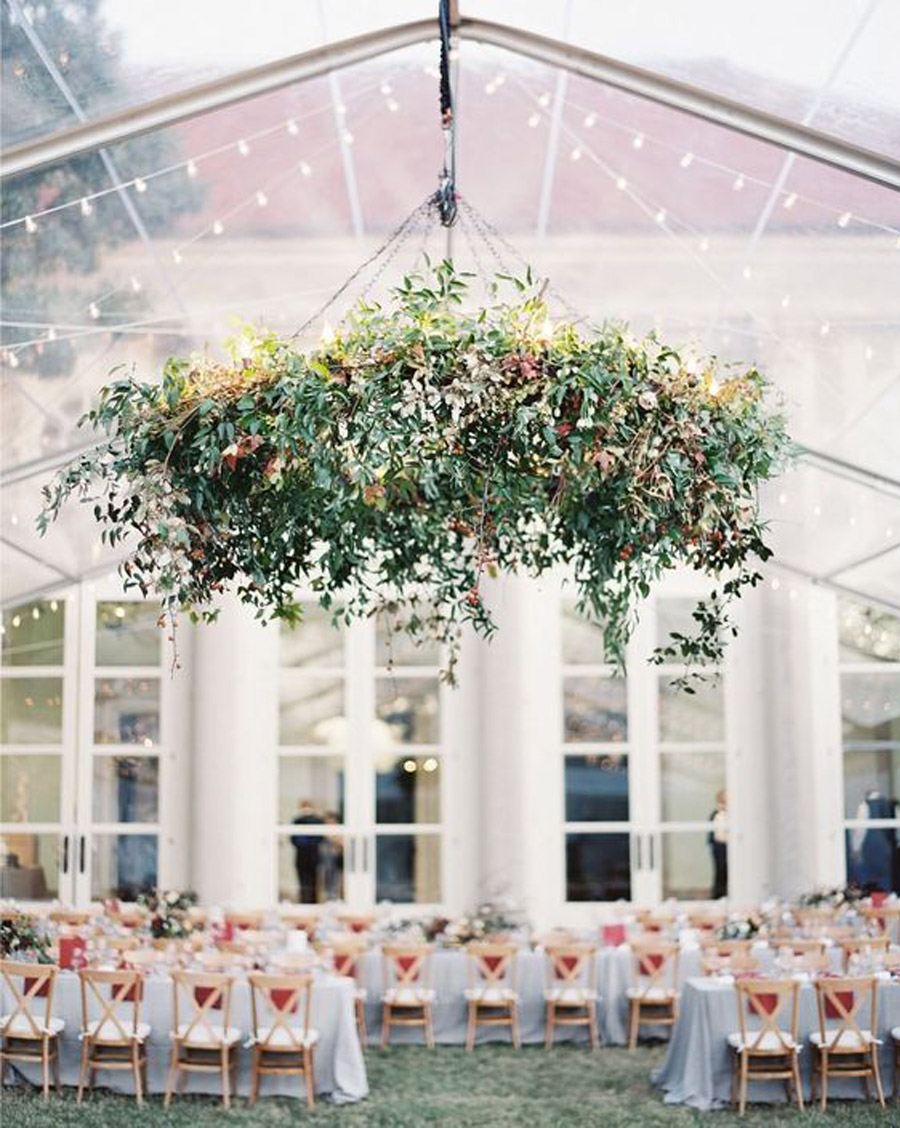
<point x="340" y="1067"/>
<point x="697" y="1069"/>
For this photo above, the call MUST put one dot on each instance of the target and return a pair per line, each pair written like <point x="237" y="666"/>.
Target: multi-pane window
<point x="595" y="744"/>
<point x="869" y="657"/>
<point x="32" y="743"/>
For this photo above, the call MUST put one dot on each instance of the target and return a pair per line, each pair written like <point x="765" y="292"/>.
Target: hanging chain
<point x="444" y="198"/>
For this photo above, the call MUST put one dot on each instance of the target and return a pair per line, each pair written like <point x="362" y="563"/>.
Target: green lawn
<point x="412" y="1086"/>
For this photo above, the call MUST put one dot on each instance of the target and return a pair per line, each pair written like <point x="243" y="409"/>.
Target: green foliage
<point x="20" y="936"/>
<point x="424" y="447"/>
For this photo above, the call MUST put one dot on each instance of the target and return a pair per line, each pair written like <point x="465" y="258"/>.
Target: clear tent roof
<point x="259" y="210"/>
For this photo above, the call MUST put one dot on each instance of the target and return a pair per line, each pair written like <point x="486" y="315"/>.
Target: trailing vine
<point x="425" y="446"/>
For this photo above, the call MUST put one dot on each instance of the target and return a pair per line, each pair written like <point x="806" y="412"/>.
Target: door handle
<point x="365" y="864"/>
<point x="352" y="866"/>
<point x="637" y="845"/>
<point x="81" y="854"/>
<point x="65" y="855"/>
<point x="651" y="839"/>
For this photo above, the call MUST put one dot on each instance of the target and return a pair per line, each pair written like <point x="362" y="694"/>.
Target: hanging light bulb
<point x="687" y="160"/>
<point x="590" y="121"/>
<point x="704" y="244"/>
<point x="738" y="183"/>
<point x="86" y="206"/>
<point x="177" y="256"/>
<point x="305" y="169"/>
<point x="35" y="613"/>
<point x="746" y="272"/>
<point x="218" y="227"/>
<point x="785" y="301"/>
<point x="825" y="328"/>
<point x="393" y="105"/>
<point x="292" y="127"/>
<point x="327" y="334"/>
<point x="386" y="88"/>
<point x="660" y="216"/>
<point x="243" y="148"/>
<point x="347" y="137"/>
<point x="621" y="183"/>
<point x="638" y="141"/>
<point x="782" y="498"/>
<point x="409" y="766"/>
<point x="869" y="353"/>
<point x="534" y="120"/>
<point x="17" y="620"/>
<point x="30" y="225"/>
<point x="262" y="199"/>
<point x="191" y="168"/>
<point x="140" y="185"/>
<point x="94" y="310"/>
<point x="136" y="284"/>
<point x="12" y="360"/>
<point x="51" y="333"/>
<point x="13" y="518"/>
<point x="544" y="100"/>
<point x="843" y="220"/>
<point x="776" y="584"/>
<point x="790" y="199"/>
<point x="575" y="155"/>
<point x="54" y="604"/>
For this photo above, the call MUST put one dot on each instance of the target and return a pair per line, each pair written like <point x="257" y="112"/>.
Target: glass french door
<point x="361" y="766"/>
<point x="644" y="768"/>
<point x="89" y="760"/>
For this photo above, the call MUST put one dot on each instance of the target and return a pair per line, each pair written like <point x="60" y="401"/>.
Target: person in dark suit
<point x="717" y="839"/>
<point x="306" y="852"/>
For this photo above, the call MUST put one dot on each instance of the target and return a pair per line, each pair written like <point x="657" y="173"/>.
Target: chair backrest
<point x="357" y="922"/>
<point x="122" y="943"/>
<point x="706" y="922"/>
<point x="656" y="965"/>
<point x="302" y="922"/>
<point x="843" y="1003"/>
<point x="762" y="1004"/>
<point x="345" y="954"/>
<point x="406" y="965"/>
<point x="196" y="997"/>
<point x="491" y="964"/>
<point x="725" y="948"/>
<point x="38" y="981"/>
<point x="864" y="946"/>
<point x="571" y="965"/>
<point x="274" y="999"/>
<point x="798" y="946"/>
<point x="737" y="964"/>
<point x="245" y="920"/>
<point x="74" y="918"/>
<point x="118" y="1014"/>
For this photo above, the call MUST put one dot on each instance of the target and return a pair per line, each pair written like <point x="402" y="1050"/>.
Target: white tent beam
<point x="704" y="104"/>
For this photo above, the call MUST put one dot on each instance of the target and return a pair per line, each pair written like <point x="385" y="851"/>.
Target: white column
<point x="235" y="767"/>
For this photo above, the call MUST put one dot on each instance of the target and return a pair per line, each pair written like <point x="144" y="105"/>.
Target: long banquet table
<point x="340" y="1069"/>
<point x="449" y="978"/>
<point x="697" y="1068"/>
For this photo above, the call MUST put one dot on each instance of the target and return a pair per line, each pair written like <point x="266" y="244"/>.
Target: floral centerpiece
<point x="428" y="445"/>
<point x="169" y="913"/>
<point x="20" y="937"/>
<point x="740" y="928"/>
<point x="486" y="921"/>
<point x="838" y="897"/>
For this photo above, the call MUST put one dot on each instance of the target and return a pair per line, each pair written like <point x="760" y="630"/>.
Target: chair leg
<point x="876" y="1073"/>
<point x="592" y="1025"/>
<point x="742" y="1098"/>
<point x="734" y="1079"/>
<point x="226" y="1078"/>
<point x="824" y="1079"/>
<point x="385" y="1025"/>
<point x="516" y="1033"/>
<point x="551" y="1023"/>
<point x="470" y="1027"/>
<point x="633" y="1023"/>
<point x="361" y="1023"/>
<point x="798" y="1085"/>
<point x="254" y="1075"/>
<point x="83" y="1072"/>
<point x="56" y="1066"/>
<point x="45" y="1067"/>
<point x="136" y="1068"/>
<point x="172" y="1076"/>
<point x="429" y="1027"/>
<point x="309" y="1069"/>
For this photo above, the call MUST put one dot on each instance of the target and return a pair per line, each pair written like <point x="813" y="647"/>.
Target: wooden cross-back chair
<point x="278" y="1044"/>
<point x="408" y="999"/>
<point x="571" y="990"/>
<point x="491" y="996"/>
<point x="72" y="918"/>
<point x="357" y="922"/>
<point x="116" y="1038"/>
<point x="29" y="1032"/>
<point x="306" y="922"/>
<point x="345" y="956"/>
<point x="872" y="946"/>
<point x="842" y="1046"/>
<point x="799" y="946"/>
<point x="653" y="1001"/>
<point x="739" y="963"/>
<point x="203" y="1039"/>
<point x="766" y="1047"/>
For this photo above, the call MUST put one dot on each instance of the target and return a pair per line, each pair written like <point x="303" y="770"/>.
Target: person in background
<point x="873" y="848"/>
<point x="718" y="844"/>
<point x="306" y="852"/>
<point x="331" y="860"/>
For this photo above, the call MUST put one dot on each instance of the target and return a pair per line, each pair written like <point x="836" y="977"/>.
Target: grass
<point x="412" y="1087"/>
